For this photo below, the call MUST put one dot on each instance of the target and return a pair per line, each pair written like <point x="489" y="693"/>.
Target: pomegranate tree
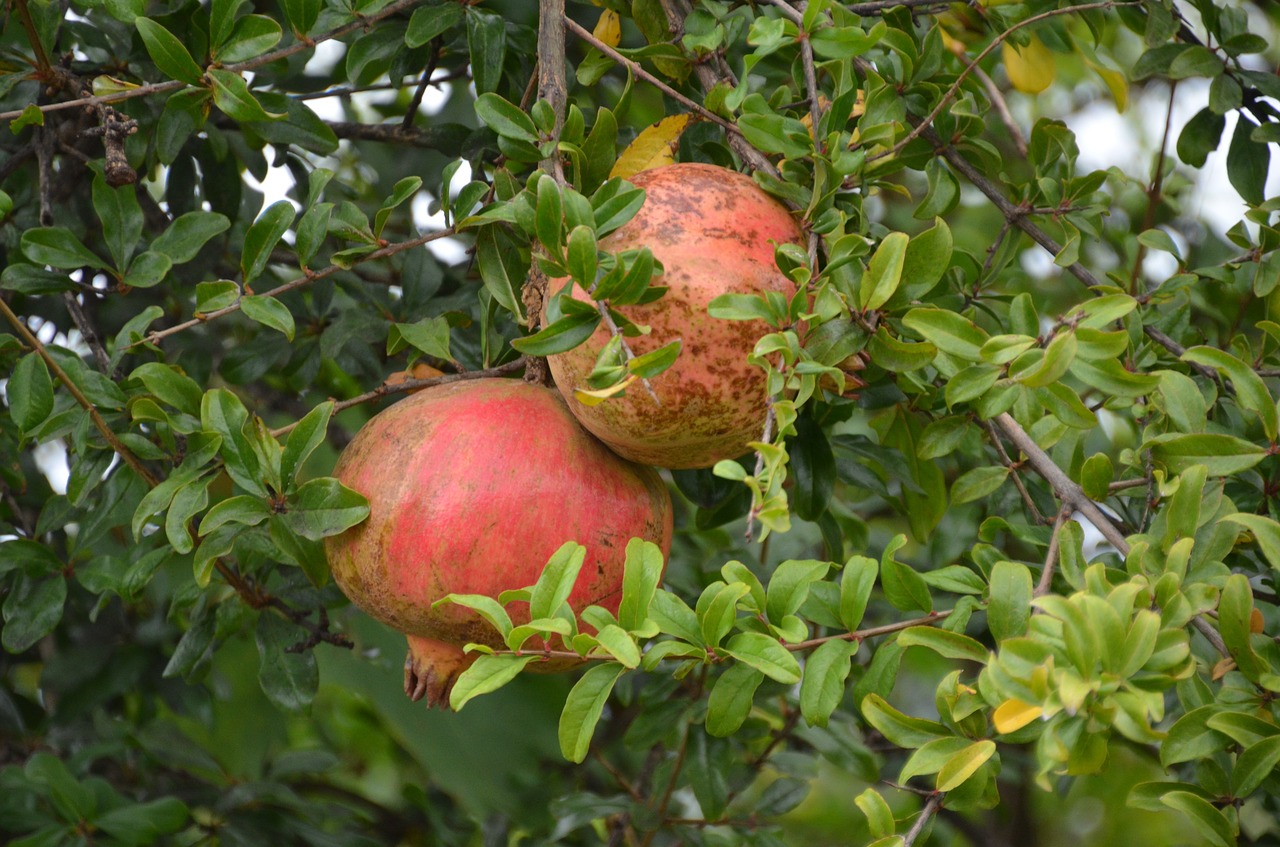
<point x="472" y="486"/>
<point x="714" y="232"/>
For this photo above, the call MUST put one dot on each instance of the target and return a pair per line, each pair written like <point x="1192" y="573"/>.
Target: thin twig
<point x="418" y="93"/>
<point x="87" y="331"/>
<point x="639" y="71"/>
<point x="112" y="439"/>
<point x="299" y="282"/>
<point x="1154" y="190"/>
<point x="362" y="22"/>
<point x="1013" y="473"/>
<point x="1002" y="109"/>
<point x="931" y="807"/>
<point x="1045" y="585"/>
<point x="986" y="51"/>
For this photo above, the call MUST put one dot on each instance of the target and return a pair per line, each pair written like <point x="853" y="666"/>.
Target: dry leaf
<point x="654" y="147"/>
<point x="608" y="28"/>
<point x="420" y="370"/>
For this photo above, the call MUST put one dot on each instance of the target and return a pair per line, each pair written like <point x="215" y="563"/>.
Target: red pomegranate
<point x="472" y="486"/>
<point x="714" y="231"/>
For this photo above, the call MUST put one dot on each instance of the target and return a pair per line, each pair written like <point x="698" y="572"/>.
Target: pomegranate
<point x="714" y="231"/>
<point x="472" y="486"/>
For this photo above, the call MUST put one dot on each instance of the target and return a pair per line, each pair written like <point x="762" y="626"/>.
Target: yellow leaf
<point x="654" y="147"/>
<point x="1013" y="714"/>
<point x="1032" y="68"/>
<point x="594" y="398"/>
<point x="1115" y="81"/>
<point x="608" y="28"/>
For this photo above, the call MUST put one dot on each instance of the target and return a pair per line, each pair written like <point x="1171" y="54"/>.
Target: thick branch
<point x="1064" y="488"/>
<point x="551" y="76"/>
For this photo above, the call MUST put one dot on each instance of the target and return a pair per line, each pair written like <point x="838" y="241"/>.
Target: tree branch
<point x="125" y="454"/>
<point x="305" y="279"/>
<point x="551" y="77"/>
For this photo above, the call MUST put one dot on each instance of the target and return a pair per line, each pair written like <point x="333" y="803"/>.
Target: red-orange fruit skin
<point x="714" y="230"/>
<point x="472" y="486"/>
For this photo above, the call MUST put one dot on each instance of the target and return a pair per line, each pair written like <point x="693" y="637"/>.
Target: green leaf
<point x="32" y="115"/>
<point x="653" y="363"/>
<point x="556" y="581"/>
<point x="1223" y="455"/>
<point x="1110" y="377"/>
<point x="977" y="483"/>
<point x="1200" y="137"/>
<point x="253" y="35"/>
<point x="884" y="273"/>
<point x="617" y="643"/>
<point x="856" y="581"/>
<point x="901" y="730"/>
<point x="304" y="438"/>
<point x="893" y="354"/>
<point x="1251" y="391"/>
<point x="1096" y="475"/>
<point x="1254" y="765"/>
<point x="501" y="269"/>
<point x="231" y="94"/>
<point x="503" y="117"/>
<point x="880" y="820"/>
<point x="149" y="269"/>
<point x="486" y="675"/>
<point x="59" y="247"/>
<point x="1235" y="615"/>
<point x="1204" y="817"/>
<point x="949" y="332"/>
<point x="301" y="14"/>
<point x="187" y="235"/>
<point x="263" y="236"/>
<point x="30" y="393"/>
<point x="1191" y="738"/>
<point x="903" y="587"/>
<point x="927" y="259"/>
<point x="169" y="386"/>
<point x="487" y="45"/>
<point x="121" y="217"/>
<point x="642" y="572"/>
<point x="825" y="673"/>
<point x="964" y="764"/>
<point x="717" y="610"/>
<point x="323" y="507"/>
<point x="562" y="335"/>
<point x="270" y="312"/>
<point x="789" y="587"/>
<point x="487" y="607"/>
<point x="243" y="509"/>
<point x="1247" y="161"/>
<point x="144" y="823"/>
<point x="675" y="618"/>
<point x="211" y="296"/>
<point x="949" y="645"/>
<point x="943" y="191"/>
<point x="583" y="708"/>
<point x="766" y="655"/>
<point x="288" y="679"/>
<point x="168" y="52"/>
<point x="32" y="610"/>
<point x="429" y="335"/>
<point x="730" y="700"/>
<point x="1265" y="531"/>
<point x="1009" y="601"/>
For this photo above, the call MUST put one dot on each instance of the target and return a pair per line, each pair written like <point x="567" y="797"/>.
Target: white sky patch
<point x="1109" y="139"/>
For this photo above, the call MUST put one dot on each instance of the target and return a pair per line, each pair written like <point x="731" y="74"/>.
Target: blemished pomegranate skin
<point x="714" y="231"/>
<point x="472" y="486"/>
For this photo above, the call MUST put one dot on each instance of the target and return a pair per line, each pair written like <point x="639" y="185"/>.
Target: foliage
<point x="992" y="349"/>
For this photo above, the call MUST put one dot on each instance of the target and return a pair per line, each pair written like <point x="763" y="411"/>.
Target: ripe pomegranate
<point x="714" y="231"/>
<point x="472" y="486"/>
